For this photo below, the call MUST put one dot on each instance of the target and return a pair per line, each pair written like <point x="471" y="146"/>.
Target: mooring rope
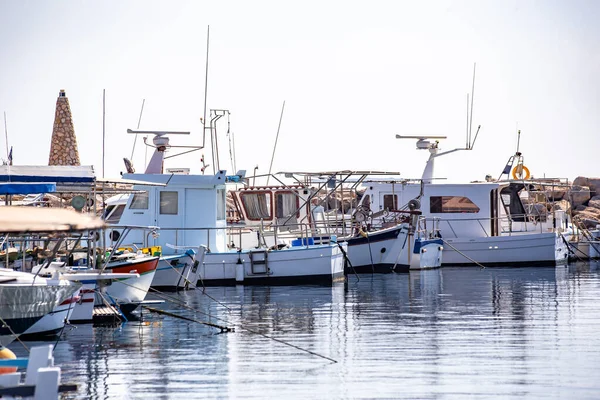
<point x="224" y="329"/>
<point x="348" y="261"/>
<point x="463" y="254"/>
<point x="14" y="334"/>
<point x="170" y="314"/>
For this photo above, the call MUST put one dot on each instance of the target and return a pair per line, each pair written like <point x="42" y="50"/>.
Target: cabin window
<point x="107" y="212"/>
<point x="257" y="205"/>
<point x="115" y="216"/>
<point x="221" y="201"/>
<point x="451" y="204"/>
<point x="287" y="204"/>
<point x="390" y="202"/>
<point x="168" y="203"/>
<point x="139" y="201"/>
<point x="512" y="202"/>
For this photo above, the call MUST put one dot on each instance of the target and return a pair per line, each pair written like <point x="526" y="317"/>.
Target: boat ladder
<point x="259" y="261"/>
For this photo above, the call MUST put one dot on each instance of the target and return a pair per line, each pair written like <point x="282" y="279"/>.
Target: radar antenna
<point x="161" y="145"/>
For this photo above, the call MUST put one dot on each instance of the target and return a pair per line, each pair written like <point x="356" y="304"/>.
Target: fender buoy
<point x="7" y="354"/>
<point x="519" y="171"/>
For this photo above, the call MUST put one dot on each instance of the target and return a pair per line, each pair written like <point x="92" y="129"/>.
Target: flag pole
<point x="103" y="126"/>
<point x="6" y="135"/>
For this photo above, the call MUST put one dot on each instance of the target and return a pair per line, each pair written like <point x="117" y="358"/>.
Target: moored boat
<point x="191" y="212"/>
<point x="25" y="299"/>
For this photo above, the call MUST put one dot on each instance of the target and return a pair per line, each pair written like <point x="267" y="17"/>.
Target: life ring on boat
<point x="520" y="170"/>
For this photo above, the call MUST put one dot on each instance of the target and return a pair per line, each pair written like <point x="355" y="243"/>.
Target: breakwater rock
<point x="584" y="197"/>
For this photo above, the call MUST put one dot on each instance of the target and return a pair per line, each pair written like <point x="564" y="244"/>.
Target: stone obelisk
<point x="63" y="148"/>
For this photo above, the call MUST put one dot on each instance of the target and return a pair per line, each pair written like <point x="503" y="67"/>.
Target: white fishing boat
<point x="484" y="223"/>
<point x="25" y="299"/>
<point x="177" y="266"/>
<point x="396" y="248"/>
<point x="28" y="299"/>
<point x="191" y="212"/>
<point x="123" y="283"/>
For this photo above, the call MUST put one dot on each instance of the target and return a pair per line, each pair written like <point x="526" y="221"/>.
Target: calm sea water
<point x="452" y="333"/>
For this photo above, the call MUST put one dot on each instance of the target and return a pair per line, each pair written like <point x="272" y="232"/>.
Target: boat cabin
<point x="466" y="210"/>
<point x="189" y="209"/>
<point x="284" y="206"/>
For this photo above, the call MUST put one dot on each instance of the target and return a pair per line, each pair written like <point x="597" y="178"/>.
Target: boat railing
<point x="507" y="225"/>
<point x="422" y="230"/>
<point x="237" y="237"/>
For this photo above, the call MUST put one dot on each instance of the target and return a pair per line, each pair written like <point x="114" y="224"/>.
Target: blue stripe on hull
<point x="374" y="237"/>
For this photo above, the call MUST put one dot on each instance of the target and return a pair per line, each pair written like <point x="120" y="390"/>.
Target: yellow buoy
<point x="7" y="354"/>
<point x="518" y="172"/>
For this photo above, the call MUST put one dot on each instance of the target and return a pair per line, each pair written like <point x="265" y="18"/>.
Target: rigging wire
<point x="231" y="144"/>
<point x="276" y="138"/>
<point x="138" y="127"/>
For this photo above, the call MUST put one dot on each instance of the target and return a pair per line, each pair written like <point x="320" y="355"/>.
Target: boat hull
<point x="314" y="264"/>
<point x="377" y="251"/>
<point x="544" y="249"/>
<point x="52" y="323"/>
<point x="84" y="308"/>
<point x="134" y="289"/>
<point x="176" y="272"/>
<point x="23" y="304"/>
<point x="392" y="249"/>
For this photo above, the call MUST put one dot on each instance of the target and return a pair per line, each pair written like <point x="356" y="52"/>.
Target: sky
<point x="352" y="74"/>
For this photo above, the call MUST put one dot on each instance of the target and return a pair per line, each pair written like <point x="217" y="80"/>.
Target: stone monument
<point x="63" y="148"/>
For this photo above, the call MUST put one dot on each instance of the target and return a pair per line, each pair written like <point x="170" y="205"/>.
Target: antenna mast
<point x="138" y="127"/>
<point x="6" y="135"/>
<point x="467" y="133"/>
<point x="103" y="126"/>
<point x="275" y="145"/>
<point x="472" y="98"/>
<point x="205" y="88"/>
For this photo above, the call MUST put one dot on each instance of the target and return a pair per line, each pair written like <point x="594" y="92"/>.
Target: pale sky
<point x="353" y="74"/>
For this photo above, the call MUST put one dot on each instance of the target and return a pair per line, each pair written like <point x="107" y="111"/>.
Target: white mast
<point x="424" y="144"/>
<point x="161" y="144"/>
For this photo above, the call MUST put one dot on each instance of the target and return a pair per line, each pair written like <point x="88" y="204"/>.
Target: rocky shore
<point x="585" y="201"/>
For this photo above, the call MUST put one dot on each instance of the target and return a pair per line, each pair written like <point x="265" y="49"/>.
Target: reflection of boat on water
<point x="426" y="284"/>
<point x="424" y="321"/>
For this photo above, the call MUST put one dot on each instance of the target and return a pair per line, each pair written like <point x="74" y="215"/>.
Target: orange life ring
<point x="519" y="170"/>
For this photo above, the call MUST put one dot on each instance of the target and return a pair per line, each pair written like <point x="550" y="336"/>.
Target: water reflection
<point x="451" y="333"/>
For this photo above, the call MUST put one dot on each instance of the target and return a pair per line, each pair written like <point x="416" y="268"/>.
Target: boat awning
<point x="26" y="188"/>
<point x="58" y="174"/>
<point x="42" y="219"/>
<point x="123" y="181"/>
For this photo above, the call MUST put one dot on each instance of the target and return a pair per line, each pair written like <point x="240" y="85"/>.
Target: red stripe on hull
<point x="70" y="300"/>
<point x="141" y="266"/>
